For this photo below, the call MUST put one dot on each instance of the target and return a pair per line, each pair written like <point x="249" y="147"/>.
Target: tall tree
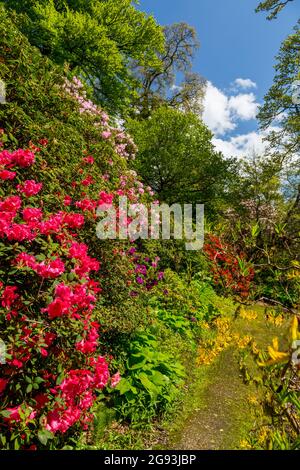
<point x="177" y="159"/>
<point x="281" y="105"/>
<point x="273" y="7"/>
<point x="158" y="84"/>
<point x="96" y="39"/>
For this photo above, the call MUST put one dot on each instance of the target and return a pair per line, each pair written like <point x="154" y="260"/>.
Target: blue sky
<point x="236" y="43"/>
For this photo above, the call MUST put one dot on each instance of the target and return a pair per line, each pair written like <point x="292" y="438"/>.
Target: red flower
<point x="9" y="296"/>
<point x="3" y="383"/>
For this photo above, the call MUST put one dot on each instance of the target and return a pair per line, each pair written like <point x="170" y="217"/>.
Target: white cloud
<point x="244" y="106"/>
<point x="244" y="144"/>
<point x="222" y="113"/>
<point x="217" y="115"/>
<point x="245" y="83"/>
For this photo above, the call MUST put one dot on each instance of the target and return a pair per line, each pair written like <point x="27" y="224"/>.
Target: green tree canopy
<point x="281" y="110"/>
<point x="97" y="39"/>
<point x="177" y="159"/>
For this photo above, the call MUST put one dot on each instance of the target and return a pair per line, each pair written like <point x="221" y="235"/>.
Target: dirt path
<point x="221" y="415"/>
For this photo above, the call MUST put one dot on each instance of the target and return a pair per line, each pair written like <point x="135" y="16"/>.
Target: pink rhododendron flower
<point x="7" y="175"/>
<point x="20" y="232"/>
<point x="87" y="181"/>
<point x="89" y="160"/>
<point x="52" y="269"/>
<point x="67" y="201"/>
<point x="73" y="220"/>
<point x="57" y="308"/>
<point x="9" y="296"/>
<point x="86" y="205"/>
<point x="105" y="198"/>
<point x="115" y="380"/>
<point x="106" y="134"/>
<point x="23" y="158"/>
<point x="32" y="214"/>
<point x="30" y="188"/>
<point x="11" y="204"/>
<point x="24" y="259"/>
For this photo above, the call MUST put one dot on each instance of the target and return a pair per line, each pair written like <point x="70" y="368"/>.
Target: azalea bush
<point x="52" y="370"/>
<point x="230" y="269"/>
<point x="48" y="298"/>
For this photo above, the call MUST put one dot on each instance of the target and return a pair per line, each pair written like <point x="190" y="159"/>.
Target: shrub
<point x="150" y="381"/>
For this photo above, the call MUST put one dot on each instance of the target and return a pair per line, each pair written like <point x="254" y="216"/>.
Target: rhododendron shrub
<point x="53" y="370"/>
<point x="51" y="297"/>
<point x="231" y="272"/>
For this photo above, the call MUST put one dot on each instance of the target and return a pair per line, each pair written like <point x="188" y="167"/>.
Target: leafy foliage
<point x="94" y="39"/>
<point x="177" y="159"/>
<point x="151" y="382"/>
<point x="273" y="7"/>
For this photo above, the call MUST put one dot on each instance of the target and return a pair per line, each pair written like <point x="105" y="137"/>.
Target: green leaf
<point x="44" y="435"/>
<point x="148" y="385"/>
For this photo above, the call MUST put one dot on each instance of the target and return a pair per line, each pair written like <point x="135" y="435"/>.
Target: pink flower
<point x="23" y="158"/>
<point x="105" y="198"/>
<point x="57" y="308"/>
<point x="86" y="205"/>
<point x="53" y="421"/>
<point x="9" y="296"/>
<point x="14" y="413"/>
<point x="63" y="291"/>
<point x="106" y="134"/>
<point x="50" y="270"/>
<point x="74" y="220"/>
<point x="30" y="188"/>
<point x="20" y="232"/>
<point x="67" y="201"/>
<point x="7" y="175"/>
<point x="89" y="160"/>
<point x="32" y="214"/>
<point x="78" y="250"/>
<point x="115" y="380"/>
<point x="44" y="352"/>
<point x="11" y="204"/>
<point x="87" y="181"/>
<point x="24" y="259"/>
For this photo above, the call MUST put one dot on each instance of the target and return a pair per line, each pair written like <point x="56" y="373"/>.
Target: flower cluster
<point x="53" y="369"/>
<point x="230" y="270"/>
<point x="122" y="143"/>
